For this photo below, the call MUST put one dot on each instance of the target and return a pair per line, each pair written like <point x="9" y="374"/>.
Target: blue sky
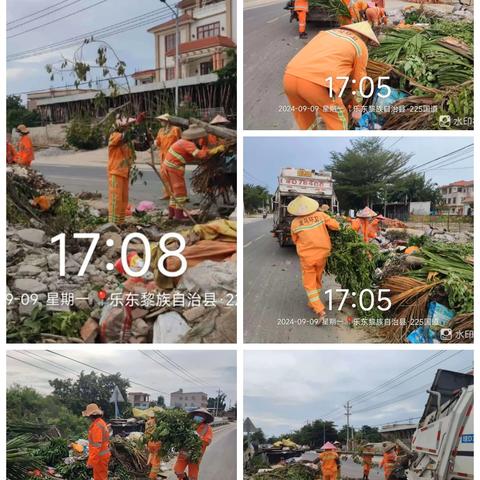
<point x="265" y="156"/>
<point x="135" y="47"/>
<point x="215" y="369"/>
<point x="286" y="389"/>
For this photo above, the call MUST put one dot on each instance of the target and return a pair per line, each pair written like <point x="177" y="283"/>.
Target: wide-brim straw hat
<point x="328" y="446"/>
<point x="194" y="132"/>
<point x="92" y="409"/>
<point x="209" y="418"/>
<point x="366" y="212"/>
<point x="325" y="208"/>
<point x="166" y="117"/>
<point x="219" y="119"/>
<point x="364" y="29"/>
<point x="23" y="129"/>
<point x="302" y="205"/>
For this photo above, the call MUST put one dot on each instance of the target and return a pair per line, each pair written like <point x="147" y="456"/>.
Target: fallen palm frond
<point x="20" y="457"/>
<point x="335" y="7"/>
<point x="462" y="328"/>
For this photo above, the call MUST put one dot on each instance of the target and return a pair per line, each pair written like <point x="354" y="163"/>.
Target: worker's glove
<point x="216" y="150"/>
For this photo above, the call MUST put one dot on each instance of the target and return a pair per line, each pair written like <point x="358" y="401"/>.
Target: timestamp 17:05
<point x="367" y="299"/>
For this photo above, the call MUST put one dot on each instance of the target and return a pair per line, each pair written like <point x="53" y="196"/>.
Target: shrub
<point x="83" y="135"/>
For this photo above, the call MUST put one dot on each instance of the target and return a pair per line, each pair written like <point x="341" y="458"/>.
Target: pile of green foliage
<point x="292" y="472"/>
<point x="352" y="261"/>
<point x="176" y="430"/>
<point x="84" y="135"/>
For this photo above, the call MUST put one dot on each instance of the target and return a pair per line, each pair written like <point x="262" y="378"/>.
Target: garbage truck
<point x="442" y="445"/>
<point x="293" y="182"/>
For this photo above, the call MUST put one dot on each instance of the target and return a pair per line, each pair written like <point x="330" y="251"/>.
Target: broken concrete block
<point x="169" y="328"/>
<point x="29" y="285"/>
<point x="89" y="331"/>
<point x="33" y="236"/>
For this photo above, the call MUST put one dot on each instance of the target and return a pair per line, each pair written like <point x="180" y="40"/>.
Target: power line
<point x="438" y="158"/>
<point x="41" y="11"/>
<point x="119" y="27"/>
<point x="177" y="365"/>
<point x="56" y="20"/>
<point x="48" y="362"/>
<point x="36" y="366"/>
<point x="40" y="16"/>
<point x="107" y="373"/>
<point x="446" y="163"/>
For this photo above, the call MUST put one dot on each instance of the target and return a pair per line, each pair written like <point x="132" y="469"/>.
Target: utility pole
<point x="347" y="414"/>
<point x="177" y="56"/>
<point x="217" y="403"/>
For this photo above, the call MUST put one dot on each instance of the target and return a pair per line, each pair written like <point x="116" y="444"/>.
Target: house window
<point x="206" y="68"/>
<point x="169" y="42"/>
<point x="210" y="30"/>
<point x="170" y="75"/>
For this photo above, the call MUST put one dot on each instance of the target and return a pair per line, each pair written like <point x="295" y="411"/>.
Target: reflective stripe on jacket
<point x="183" y="152"/>
<point x="98" y="441"/>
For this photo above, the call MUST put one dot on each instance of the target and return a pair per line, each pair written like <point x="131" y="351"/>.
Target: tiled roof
<point x="143" y="72"/>
<point x="203" y="43"/>
<point x="460" y="183"/>
<point x="162" y="26"/>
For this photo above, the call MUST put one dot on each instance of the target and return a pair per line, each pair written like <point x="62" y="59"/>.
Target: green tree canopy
<point x="89" y="388"/>
<point x="363" y="170"/>
<point x="255" y="197"/>
<point x="17" y="114"/>
<point x="415" y="188"/>
<point x="26" y="407"/>
<point x="218" y="402"/>
<point x="312" y="434"/>
<point x="258" y="437"/>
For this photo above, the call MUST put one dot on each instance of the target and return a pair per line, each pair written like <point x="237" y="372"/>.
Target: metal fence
<point x="450" y="223"/>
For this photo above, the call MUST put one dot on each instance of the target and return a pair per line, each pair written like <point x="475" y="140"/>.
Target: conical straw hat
<point x="218" y="120"/>
<point x="193" y="132"/>
<point x="363" y="28"/>
<point x="302" y="205"/>
<point x="328" y="446"/>
<point x="366" y="213"/>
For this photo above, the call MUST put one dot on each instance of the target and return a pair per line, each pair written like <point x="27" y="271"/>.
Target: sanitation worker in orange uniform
<point x="25" y="154"/>
<point x="202" y="418"/>
<point x="310" y="235"/>
<point x="329" y="461"/>
<point x="389" y="459"/>
<point x="11" y="151"/>
<point x="375" y="15"/>
<point x="166" y="137"/>
<point x="182" y="152"/>
<point x="153" y="446"/>
<point x="367" y="458"/>
<point x="365" y="224"/>
<point x="120" y="158"/>
<point x="98" y="442"/>
<point x="312" y="80"/>
<point x="301" y="7"/>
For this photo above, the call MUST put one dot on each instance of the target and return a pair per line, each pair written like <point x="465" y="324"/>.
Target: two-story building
<point x="458" y="198"/>
<point x="207" y="31"/>
<point x="138" y="399"/>
<point x="188" y="400"/>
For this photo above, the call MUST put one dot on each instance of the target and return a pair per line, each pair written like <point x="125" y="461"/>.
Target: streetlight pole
<point x="177" y="57"/>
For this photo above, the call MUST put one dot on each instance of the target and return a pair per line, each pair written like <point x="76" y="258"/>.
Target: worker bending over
<point x="25" y="154"/>
<point x="184" y="151"/>
<point x="375" y="15"/>
<point x="98" y="442"/>
<point x="365" y="224"/>
<point x="329" y="461"/>
<point x="301" y="8"/>
<point x="389" y="459"/>
<point x="367" y="458"/>
<point x="202" y="418"/>
<point x="166" y="137"/>
<point x="313" y="78"/>
<point x="310" y="235"/>
<point x="120" y="158"/>
<point x="153" y="447"/>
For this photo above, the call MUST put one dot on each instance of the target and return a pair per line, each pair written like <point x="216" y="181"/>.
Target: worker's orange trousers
<point x="312" y="273"/>
<point x="164" y="180"/>
<point x="182" y="464"/>
<point x="100" y="469"/>
<point x="329" y="475"/>
<point x="154" y="459"/>
<point x="302" y="20"/>
<point x="117" y="198"/>
<point x="366" y="469"/>
<point x="308" y="99"/>
<point x="178" y="188"/>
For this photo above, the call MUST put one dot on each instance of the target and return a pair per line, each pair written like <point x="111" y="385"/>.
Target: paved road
<point x="220" y="460"/>
<point x="93" y="178"/>
<point x="350" y="469"/>
<point x="273" y="292"/>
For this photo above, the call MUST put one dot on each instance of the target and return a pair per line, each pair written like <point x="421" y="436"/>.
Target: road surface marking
<point x="249" y="243"/>
<point x="277" y="18"/>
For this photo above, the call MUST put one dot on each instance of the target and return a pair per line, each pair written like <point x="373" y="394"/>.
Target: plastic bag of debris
<point x="115" y="324"/>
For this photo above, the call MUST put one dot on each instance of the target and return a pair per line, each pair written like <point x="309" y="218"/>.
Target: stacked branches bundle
<point x="290" y="472"/>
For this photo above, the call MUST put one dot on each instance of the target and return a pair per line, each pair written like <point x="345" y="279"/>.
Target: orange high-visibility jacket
<point x="388" y="462"/>
<point x="11" y="153"/>
<point x="368" y="230"/>
<point x="332" y="53"/>
<point x="310" y="234"/>
<point x="329" y="462"/>
<point x="375" y="14"/>
<point x="25" y="154"/>
<point x="166" y="137"/>
<point x="120" y="156"/>
<point x="98" y="442"/>
<point x="183" y="152"/>
<point x="205" y="432"/>
<point x="357" y="7"/>
<point x="301" y="5"/>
